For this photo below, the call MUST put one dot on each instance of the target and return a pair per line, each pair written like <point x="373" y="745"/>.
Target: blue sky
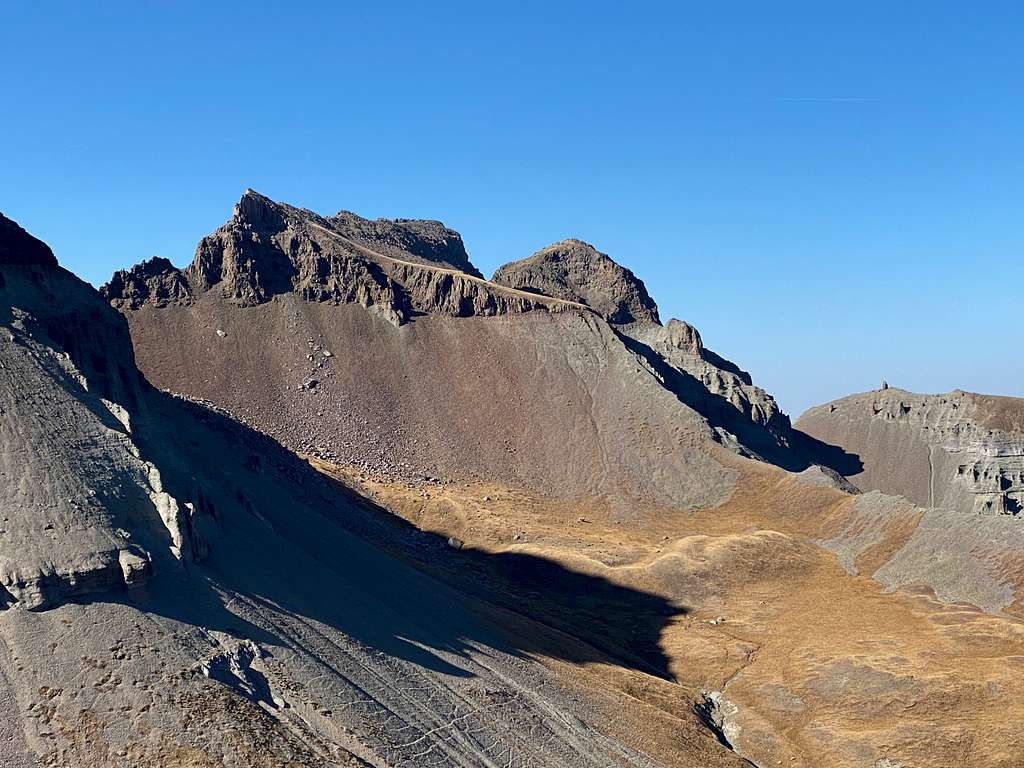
<point x="832" y="193"/>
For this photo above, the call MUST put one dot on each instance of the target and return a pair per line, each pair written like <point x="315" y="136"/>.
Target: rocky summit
<point x="576" y="271"/>
<point x="397" y="268"/>
<point x="327" y="497"/>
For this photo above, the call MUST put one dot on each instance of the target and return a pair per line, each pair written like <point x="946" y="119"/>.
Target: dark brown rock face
<point x="428" y="241"/>
<point x="19" y="247"/>
<point x="576" y="271"/>
<point x="398" y="268"/>
<point x="156" y="281"/>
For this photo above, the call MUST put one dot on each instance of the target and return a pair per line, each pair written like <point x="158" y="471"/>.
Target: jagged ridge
<point x="399" y="268"/>
<point x="272" y="249"/>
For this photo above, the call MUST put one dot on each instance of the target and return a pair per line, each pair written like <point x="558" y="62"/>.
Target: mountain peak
<point x="257" y="210"/>
<point x="19" y="247"/>
<point x="575" y="270"/>
<point x="155" y="281"/>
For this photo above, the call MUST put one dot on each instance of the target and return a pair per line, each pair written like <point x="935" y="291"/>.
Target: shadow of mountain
<point x="291" y="550"/>
<point x="291" y="559"/>
<point x="833" y="456"/>
<point x="785" y="447"/>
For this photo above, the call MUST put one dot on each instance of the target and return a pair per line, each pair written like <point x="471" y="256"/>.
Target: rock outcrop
<point x="398" y="268"/>
<point x="576" y="271"/>
<point x="680" y="345"/>
<point x="959" y="450"/>
<point x="155" y="281"/>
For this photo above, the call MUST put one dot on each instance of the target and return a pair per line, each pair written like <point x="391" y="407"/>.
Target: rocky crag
<point x="576" y="271"/>
<point x="960" y="450"/>
<point x="397" y="268"/>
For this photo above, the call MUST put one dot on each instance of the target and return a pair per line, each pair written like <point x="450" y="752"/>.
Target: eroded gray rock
<point x="959" y="450"/>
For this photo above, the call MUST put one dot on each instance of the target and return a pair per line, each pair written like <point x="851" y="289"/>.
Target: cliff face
<point x="398" y="268"/>
<point x="680" y="345"/>
<point x="958" y="450"/>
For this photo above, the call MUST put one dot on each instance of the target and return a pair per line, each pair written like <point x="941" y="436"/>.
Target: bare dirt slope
<point x="180" y="590"/>
<point x="959" y="450"/>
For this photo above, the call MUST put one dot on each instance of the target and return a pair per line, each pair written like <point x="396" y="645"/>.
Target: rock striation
<point x="82" y="510"/>
<point x="959" y="450"/>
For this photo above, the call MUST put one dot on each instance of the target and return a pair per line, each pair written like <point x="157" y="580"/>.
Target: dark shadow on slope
<point x="288" y="542"/>
<point x="295" y="551"/>
<point x="726" y="365"/>
<point x="833" y="456"/>
<point x="719" y="412"/>
<point x="785" y="447"/>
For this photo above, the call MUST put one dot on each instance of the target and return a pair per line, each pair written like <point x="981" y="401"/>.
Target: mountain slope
<point x="960" y="450"/>
<point x="575" y="463"/>
<point x="330" y="360"/>
<point x="182" y="591"/>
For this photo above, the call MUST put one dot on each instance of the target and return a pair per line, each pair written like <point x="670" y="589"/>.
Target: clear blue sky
<point x="832" y="195"/>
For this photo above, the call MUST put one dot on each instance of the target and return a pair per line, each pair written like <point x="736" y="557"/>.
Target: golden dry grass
<point x="825" y="668"/>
